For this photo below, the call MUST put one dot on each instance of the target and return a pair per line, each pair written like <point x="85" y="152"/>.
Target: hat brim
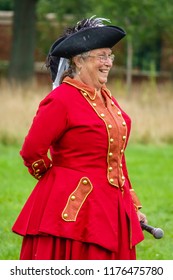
<point x="87" y="39"/>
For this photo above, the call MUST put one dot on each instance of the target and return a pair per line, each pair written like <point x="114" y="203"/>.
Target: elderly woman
<point x="83" y="206"/>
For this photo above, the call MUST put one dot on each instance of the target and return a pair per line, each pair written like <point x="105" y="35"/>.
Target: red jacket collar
<point x="91" y="92"/>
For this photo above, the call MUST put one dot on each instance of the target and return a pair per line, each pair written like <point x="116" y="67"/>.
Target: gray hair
<point x="71" y="71"/>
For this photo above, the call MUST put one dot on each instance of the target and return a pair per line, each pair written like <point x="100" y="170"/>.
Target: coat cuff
<point x="39" y="167"/>
<point x="135" y="200"/>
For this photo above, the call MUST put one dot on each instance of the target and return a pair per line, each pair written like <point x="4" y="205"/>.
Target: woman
<point x="83" y="206"/>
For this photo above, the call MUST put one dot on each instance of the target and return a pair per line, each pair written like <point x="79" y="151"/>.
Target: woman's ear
<point x="77" y="61"/>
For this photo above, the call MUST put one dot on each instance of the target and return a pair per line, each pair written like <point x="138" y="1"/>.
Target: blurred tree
<point x="74" y="8"/>
<point x="6" y="5"/>
<point x="21" y="66"/>
<point x="146" y="23"/>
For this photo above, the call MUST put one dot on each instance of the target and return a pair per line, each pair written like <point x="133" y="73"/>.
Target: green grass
<point x="151" y="172"/>
<point x="150" y="169"/>
<point x="15" y="186"/>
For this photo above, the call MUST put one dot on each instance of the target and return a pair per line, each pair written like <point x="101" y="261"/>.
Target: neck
<point x="101" y="96"/>
<point x="97" y="90"/>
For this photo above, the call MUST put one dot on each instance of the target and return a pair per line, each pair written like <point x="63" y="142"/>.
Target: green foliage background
<point x="146" y="22"/>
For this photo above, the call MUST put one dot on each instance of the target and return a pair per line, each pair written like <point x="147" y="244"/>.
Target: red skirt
<point x="56" y="248"/>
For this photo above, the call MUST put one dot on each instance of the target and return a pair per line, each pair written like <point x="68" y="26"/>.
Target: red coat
<point x="84" y="183"/>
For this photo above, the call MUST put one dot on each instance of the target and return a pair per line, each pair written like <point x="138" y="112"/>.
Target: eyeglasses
<point x="103" y="57"/>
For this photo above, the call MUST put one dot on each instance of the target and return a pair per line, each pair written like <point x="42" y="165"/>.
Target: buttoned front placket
<point x="116" y="129"/>
<point x="117" y="134"/>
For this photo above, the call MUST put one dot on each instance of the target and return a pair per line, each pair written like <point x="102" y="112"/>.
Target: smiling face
<point x="93" y="69"/>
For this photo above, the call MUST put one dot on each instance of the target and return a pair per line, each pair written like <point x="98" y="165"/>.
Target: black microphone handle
<point x="146" y="227"/>
<point x="156" y="232"/>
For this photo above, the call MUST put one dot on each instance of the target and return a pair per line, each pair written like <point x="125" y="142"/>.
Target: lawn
<point x="151" y="172"/>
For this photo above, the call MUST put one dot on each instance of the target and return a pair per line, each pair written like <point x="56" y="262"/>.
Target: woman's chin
<point x="103" y="81"/>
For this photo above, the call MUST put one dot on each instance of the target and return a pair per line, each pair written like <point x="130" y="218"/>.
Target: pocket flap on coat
<point x="76" y="199"/>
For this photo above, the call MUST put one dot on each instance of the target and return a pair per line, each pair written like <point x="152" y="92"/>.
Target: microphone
<point x="156" y="232"/>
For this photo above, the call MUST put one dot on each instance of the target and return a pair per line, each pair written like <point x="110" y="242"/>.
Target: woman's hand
<point x="142" y="218"/>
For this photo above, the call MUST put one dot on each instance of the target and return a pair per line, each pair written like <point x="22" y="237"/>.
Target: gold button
<point x="124" y="123"/>
<point x="111" y="140"/>
<point x="85" y="182"/>
<point x="112" y="103"/>
<point x="110" y="154"/>
<point x="123" y="178"/>
<point x="37" y="170"/>
<point x="73" y="197"/>
<point x="119" y="113"/>
<point x="84" y="93"/>
<point x="94" y="104"/>
<point x="39" y="177"/>
<point x="65" y="215"/>
<point x="35" y="164"/>
<point x="122" y="151"/>
<point x="111" y="180"/>
<point x="110" y="168"/>
<point x="109" y="126"/>
<point x="124" y="137"/>
<point x="102" y="115"/>
<point x="121" y="165"/>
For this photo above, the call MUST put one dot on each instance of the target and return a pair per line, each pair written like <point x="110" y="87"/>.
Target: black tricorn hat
<point x="87" y="39"/>
<point x="88" y="34"/>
